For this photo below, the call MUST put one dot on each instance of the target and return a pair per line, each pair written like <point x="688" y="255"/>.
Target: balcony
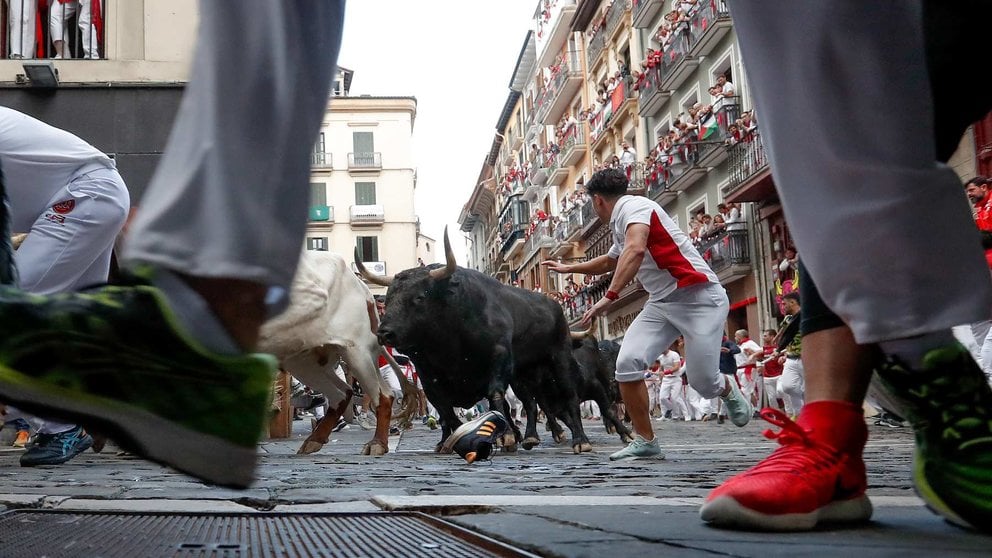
<point x="651" y="97"/>
<point x="727" y="112"/>
<point x="513" y="242"/>
<point x="561" y="244"/>
<point x="596" y="47"/>
<point x="360" y="162"/>
<point x="676" y="64"/>
<point x="364" y="215"/>
<point x="321" y="162"/>
<point x="538" y="169"/>
<point x="750" y="176"/>
<point x="645" y="12"/>
<point x="553" y="30"/>
<point x="321" y="214"/>
<point x="710" y="23"/>
<point x="23" y="42"/>
<point x="573" y="145"/>
<point x="609" y="114"/>
<point x="686" y="169"/>
<point x="538" y="240"/>
<point x="728" y="255"/>
<point x="615" y="16"/>
<point x="515" y="137"/>
<point x="561" y="90"/>
<point x="656" y="187"/>
<point x="557" y="172"/>
<point x="589" y="220"/>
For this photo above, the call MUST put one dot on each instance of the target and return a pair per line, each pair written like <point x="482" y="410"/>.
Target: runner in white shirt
<point x="684" y="298"/>
<point x="746" y="376"/>
<point x="670" y="394"/>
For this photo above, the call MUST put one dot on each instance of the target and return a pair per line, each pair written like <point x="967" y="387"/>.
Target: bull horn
<point x="580" y="335"/>
<point x="18" y="239"/>
<point x="449" y="268"/>
<point x="381" y="280"/>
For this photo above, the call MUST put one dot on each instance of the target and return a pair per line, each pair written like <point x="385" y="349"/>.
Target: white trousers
<point x="671" y="398"/>
<point x="21" y="16"/>
<point x="229" y="198"/>
<point x="654" y="395"/>
<point x="771" y="395"/>
<point x="792" y="385"/>
<point x="699" y="314"/>
<point x="58" y="26"/>
<point x="748" y="386"/>
<point x="698" y="407"/>
<point x="881" y="191"/>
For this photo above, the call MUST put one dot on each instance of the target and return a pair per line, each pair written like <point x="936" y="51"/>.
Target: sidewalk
<point x="548" y="501"/>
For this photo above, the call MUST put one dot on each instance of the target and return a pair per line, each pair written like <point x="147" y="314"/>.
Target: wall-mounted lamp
<point x="41" y="74"/>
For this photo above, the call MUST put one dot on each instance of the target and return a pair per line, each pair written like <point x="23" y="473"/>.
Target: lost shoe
<point x="115" y="357"/>
<point x="55" y="449"/>
<point x="474" y="440"/>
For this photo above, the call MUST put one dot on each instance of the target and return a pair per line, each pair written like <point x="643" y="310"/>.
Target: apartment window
<point x="368" y="248"/>
<point x="362" y="144"/>
<point x="320" y="146"/>
<point x="318" y="194"/>
<point x="317" y="243"/>
<point x="365" y="193"/>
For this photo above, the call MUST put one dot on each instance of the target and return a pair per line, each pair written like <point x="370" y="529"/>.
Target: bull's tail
<point x="409" y="390"/>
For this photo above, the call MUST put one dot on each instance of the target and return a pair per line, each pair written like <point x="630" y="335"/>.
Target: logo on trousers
<point x="64" y="207"/>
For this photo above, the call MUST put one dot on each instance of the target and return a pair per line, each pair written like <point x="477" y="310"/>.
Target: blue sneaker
<point x="639" y="449"/>
<point x="56" y="449"/>
<point x="474" y="440"/>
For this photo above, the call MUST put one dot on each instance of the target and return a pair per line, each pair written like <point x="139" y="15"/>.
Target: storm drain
<point x="53" y="534"/>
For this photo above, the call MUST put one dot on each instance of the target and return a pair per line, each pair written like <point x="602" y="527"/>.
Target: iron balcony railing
<point x="372" y="213"/>
<point x="747" y="158"/>
<point x="614" y="17"/>
<point x="709" y="11"/>
<point x="596" y="46"/>
<point x="568" y="69"/>
<point x="69" y="30"/>
<point x="728" y="248"/>
<point x="649" y="87"/>
<point x="365" y="160"/>
<point x="321" y="160"/>
<point x="675" y="53"/>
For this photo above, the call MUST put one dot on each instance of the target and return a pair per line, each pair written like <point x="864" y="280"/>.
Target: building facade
<point x="363" y="181"/>
<point x="595" y="75"/>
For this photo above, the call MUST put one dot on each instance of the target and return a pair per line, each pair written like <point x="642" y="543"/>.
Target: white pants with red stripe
<point x="699" y="314"/>
<point x="229" y="198"/>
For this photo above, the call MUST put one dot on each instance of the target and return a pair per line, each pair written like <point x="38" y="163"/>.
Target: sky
<point x="456" y="58"/>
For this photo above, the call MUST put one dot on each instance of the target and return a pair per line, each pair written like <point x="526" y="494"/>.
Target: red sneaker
<point x="805" y="481"/>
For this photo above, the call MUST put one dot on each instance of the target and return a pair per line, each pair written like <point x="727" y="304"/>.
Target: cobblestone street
<point x="547" y="501"/>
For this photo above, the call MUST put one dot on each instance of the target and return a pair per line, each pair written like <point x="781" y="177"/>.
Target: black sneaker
<point x="56" y="449"/>
<point x="341" y="425"/>
<point x="474" y="440"/>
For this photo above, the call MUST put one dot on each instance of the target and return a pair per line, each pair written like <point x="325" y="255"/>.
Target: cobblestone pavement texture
<point x="548" y="501"/>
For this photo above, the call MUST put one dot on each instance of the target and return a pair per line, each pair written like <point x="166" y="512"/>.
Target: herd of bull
<point x="469" y="336"/>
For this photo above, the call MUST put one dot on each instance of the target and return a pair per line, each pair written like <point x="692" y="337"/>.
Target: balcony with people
<point x="722" y="240"/>
<point x="612" y="97"/>
<point x="54" y="30"/>
<point x="539" y="234"/>
<point x="554" y="20"/>
<point x="709" y="23"/>
<point x="675" y="38"/>
<point x="564" y="79"/>
<point x="750" y="177"/>
<point x="596" y="41"/>
<point x="651" y="97"/>
<point x="645" y="12"/>
<point x="572" y="138"/>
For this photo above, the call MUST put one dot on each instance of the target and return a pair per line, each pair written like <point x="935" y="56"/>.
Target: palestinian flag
<point x="708" y="128"/>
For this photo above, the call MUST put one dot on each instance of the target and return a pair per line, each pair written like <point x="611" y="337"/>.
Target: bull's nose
<point x="386" y="336"/>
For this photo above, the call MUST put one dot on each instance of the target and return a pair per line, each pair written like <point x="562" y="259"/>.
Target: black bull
<point x="471" y="337"/>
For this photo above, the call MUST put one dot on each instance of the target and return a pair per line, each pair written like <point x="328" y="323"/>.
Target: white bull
<point x="332" y="314"/>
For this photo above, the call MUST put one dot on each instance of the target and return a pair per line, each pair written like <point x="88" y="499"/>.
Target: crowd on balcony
<point x="54" y="29"/>
<point x="741" y="130"/>
<point x="572" y="202"/>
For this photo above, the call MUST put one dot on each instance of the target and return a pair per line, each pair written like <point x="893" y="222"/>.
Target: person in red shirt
<point x="770" y="368"/>
<point x="979" y="192"/>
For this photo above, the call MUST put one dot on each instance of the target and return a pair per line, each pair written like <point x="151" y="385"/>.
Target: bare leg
<point x="635" y="397"/>
<point x="837" y="368"/>
<point x="238" y="304"/>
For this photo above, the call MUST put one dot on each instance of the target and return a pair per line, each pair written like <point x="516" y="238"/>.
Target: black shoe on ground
<point x="474" y="440"/>
<point x="720" y="419"/>
<point x="56" y="449"/>
<point x="341" y="425"/>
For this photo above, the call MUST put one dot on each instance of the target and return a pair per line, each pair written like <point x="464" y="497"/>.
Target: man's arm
<point x="596" y="266"/>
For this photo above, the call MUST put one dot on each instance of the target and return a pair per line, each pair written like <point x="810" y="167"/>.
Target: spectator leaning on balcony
<point x="627" y="156"/>
<point x="726" y="86"/>
<point x="21" y="20"/>
<point x="60" y="13"/>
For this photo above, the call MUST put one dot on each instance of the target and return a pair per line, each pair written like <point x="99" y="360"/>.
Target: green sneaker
<point x="949" y="404"/>
<point x="739" y="409"/>
<point x="114" y="357"/>
<point x="639" y="449"/>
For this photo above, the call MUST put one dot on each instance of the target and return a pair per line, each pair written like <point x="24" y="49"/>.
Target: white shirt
<point x="628" y="157"/>
<point x="671" y="261"/>
<point x="729" y="90"/>
<point x="748" y="347"/>
<point x="38" y="161"/>
<point x="671" y="360"/>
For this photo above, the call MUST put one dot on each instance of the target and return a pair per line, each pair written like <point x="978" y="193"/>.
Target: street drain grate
<point x="54" y="534"/>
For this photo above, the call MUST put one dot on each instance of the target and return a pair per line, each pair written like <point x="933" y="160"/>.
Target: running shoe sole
<point x="726" y="512"/>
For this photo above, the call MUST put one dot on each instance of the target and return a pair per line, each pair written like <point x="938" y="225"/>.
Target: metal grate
<point x="55" y="534"/>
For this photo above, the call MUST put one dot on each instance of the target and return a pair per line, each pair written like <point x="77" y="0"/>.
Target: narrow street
<point x="547" y="501"/>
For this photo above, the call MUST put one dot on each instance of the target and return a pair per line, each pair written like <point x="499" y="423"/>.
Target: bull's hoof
<point x="374" y="449"/>
<point x="308" y="447"/>
<point x="439" y="448"/>
<point x="581" y="448"/>
<point x="530" y="443"/>
<point x="626" y="438"/>
<point x="512" y="448"/>
<point x="98" y="443"/>
<point x="611" y="429"/>
<point x="509" y="439"/>
<point x="558" y="437"/>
